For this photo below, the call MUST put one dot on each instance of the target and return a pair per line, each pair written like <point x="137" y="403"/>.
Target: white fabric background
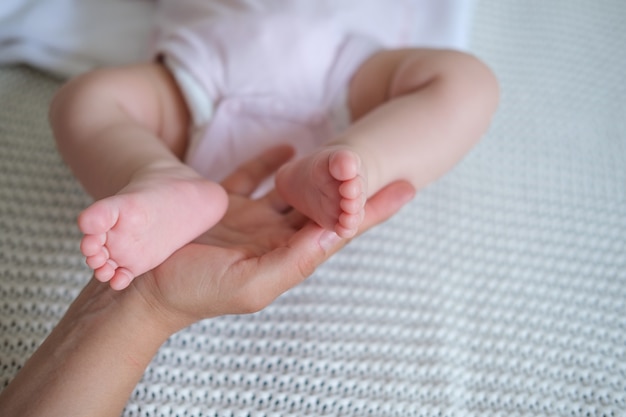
<point x="68" y="37"/>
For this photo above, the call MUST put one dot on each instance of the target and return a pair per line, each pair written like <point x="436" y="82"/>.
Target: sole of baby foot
<point x="328" y="186"/>
<point x="135" y="230"/>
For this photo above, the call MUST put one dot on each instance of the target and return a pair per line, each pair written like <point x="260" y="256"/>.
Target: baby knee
<point x="474" y="83"/>
<point x="453" y="76"/>
<point x="77" y="102"/>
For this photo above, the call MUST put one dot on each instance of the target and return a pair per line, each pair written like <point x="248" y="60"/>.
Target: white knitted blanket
<point x="499" y="291"/>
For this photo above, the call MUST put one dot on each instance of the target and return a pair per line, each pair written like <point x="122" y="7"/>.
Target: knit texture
<point x="499" y="291"/>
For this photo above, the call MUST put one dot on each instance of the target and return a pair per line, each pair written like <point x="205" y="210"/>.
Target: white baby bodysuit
<point x="261" y="73"/>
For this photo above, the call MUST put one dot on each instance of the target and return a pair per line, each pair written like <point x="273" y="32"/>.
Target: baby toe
<point x="344" y="165"/>
<point x="352" y="189"/>
<point x="351" y="206"/>
<point x="98" y="260"/>
<point x="122" y="279"/>
<point x="348" y="224"/>
<point x="105" y="272"/>
<point x="91" y="245"/>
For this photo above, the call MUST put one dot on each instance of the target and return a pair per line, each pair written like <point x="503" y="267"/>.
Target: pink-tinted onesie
<point x="257" y="73"/>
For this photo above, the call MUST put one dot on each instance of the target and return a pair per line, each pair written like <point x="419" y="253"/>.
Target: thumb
<point x="312" y="245"/>
<point x="286" y="267"/>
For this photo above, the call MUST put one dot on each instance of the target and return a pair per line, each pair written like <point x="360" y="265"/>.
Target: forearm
<point x="92" y="360"/>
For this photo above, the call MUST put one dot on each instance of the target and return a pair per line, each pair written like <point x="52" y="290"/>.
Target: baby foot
<point x="158" y="212"/>
<point x="328" y="186"/>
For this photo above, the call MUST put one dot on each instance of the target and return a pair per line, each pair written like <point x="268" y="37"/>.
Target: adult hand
<point x="259" y="250"/>
<point x="94" y="357"/>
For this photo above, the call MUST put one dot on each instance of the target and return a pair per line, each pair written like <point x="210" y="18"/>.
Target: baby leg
<point x="122" y="132"/>
<point x="415" y="113"/>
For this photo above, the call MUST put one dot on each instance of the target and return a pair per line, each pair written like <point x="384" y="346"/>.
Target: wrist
<point x="155" y="305"/>
<point x="122" y="320"/>
<point x="92" y="360"/>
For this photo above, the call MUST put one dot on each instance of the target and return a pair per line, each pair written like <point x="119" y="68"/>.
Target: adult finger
<point x="249" y="176"/>
<point x="386" y="203"/>
<point x="286" y="267"/>
<point x="254" y="285"/>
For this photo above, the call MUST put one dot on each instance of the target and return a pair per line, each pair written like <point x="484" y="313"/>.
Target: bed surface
<point x="499" y="291"/>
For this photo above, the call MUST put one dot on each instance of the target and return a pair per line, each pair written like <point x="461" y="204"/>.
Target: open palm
<point x="259" y="250"/>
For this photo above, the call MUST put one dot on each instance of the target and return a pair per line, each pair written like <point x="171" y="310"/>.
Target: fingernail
<point x="328" y="240"/>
